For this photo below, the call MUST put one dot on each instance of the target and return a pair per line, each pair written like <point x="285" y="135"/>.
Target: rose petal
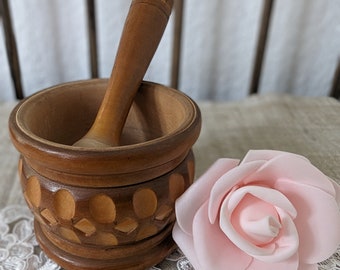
<point x="262" y="230"/>
<point x="287" y="243"/>
<point x="213" y="249"/>
<point x="269" y="195"/>
<point x="185" y="242"/>
<point x="255" y="220"/>
<point x="191" y="200"/>
<point x="292" y="264"/>
<point x="284" y="246"/>
<point x="267" y="155"/>
<point x="294" y="167"/>
<point x="318" y="220"/>
<point x="226" y="183"/>
<point x="231" y="232"/>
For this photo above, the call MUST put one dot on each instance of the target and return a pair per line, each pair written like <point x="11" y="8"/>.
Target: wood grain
<point x="109" y="208"/>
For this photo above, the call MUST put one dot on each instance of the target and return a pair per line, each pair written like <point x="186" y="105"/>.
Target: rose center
<point x="256" y="220"/>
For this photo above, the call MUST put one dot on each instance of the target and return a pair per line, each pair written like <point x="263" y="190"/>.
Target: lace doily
<point x="19" y="249"/>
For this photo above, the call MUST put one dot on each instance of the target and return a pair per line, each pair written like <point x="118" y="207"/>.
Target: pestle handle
<point x="142" y="32"/>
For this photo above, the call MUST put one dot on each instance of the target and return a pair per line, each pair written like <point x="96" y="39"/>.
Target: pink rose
<point x="274" y="210"/>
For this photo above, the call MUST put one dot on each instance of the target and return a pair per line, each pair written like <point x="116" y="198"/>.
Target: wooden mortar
<point x="105" y="208"/>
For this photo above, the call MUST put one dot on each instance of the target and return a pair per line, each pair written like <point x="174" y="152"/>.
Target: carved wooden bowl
<point x="109" y="208"/>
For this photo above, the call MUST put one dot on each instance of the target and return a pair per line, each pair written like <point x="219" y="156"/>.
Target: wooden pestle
<point x="143" y="30"/>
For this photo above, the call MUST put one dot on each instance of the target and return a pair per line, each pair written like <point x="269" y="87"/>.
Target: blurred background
<point x="218" y="46"/>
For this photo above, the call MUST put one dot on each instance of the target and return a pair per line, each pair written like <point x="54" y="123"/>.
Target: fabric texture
<point x="305" y="126"/>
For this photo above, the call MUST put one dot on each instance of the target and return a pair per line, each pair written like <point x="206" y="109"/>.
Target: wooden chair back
<point x="14" y="63"/>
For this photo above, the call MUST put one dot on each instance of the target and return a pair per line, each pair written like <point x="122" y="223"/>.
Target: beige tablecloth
<point x="307" y="126"/>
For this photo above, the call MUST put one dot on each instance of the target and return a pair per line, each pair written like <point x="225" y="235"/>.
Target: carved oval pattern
<point x="144" y="202"/>
<point x="64" y="204"/>
<point x="33" y="191"/>
<point x="106" y="239"/>
<point x="69" y="235"/>
<point x="102" y="208"/>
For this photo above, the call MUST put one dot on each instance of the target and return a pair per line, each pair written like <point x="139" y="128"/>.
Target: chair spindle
<point x="92" y="35"/>
<point x="11" y="49"/>
<point x="261" y="45"/>
<point x="177" y="39"/>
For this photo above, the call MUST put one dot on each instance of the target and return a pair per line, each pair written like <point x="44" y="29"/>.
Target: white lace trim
<point x="19" y="249"/>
